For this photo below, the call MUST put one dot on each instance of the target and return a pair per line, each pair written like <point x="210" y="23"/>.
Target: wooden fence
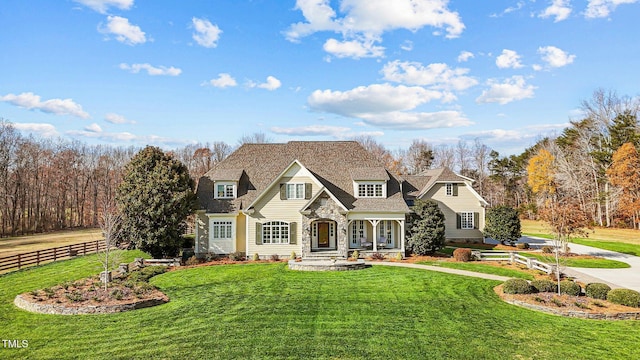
<point x="514" y="257"/>
<point x="38" y="257"/>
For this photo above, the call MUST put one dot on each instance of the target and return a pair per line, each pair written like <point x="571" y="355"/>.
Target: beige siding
<point x="466" y="201"/>
<point x="271" y="208"/>
<point x="202" y="232"/>
<point x="241" y="233"/>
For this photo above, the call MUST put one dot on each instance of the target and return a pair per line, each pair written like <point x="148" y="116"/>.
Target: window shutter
<point x="292" y="233"/>
<point x="258" y="234"/>
<point x="455" y="189"/>
<point x="307" y="191"/>
<point x="283" y="191"/>
<point x="476" y="220"/>
<point x="458" y="221"/>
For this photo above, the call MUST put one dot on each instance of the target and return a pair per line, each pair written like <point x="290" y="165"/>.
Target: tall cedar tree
<point x="154" y="198"/>
<point x="426" y="230"/>
<point x="503" y="224"/>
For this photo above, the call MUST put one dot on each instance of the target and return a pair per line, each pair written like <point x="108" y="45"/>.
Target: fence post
<point x="18" y="261"/>
<point x="84" y="248"/>
<point x="38" y="257"/>
<point x="54" y="254"/>
<point x="512" y="257"/>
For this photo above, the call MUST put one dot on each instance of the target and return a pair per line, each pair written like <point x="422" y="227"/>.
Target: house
<point x="320" y="199"/>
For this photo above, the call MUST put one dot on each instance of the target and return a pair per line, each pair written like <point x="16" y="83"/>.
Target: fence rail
<point x="18" y="261"/>
<point x="514" y="257"/>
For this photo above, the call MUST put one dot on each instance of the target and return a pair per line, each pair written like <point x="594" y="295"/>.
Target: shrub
<point x="399" y="256"/>
<point x="503" y="224"/>
<point x="146" y="273"/>
<point x="517" y="286"/>
<point x="275" y="257"/>
<point x="597" y="290"/>
<point x="625" y="297"/>
<point x="192" y="261"/>
<point x="557" y="302"/>
<point x="117" y="294"/>
<point x="544" y="285"/>
<point x="523" y="246"/>
<point x="292" y="256"/>
<point x="547" y="249"/>
<point x="256" y="257"/>
<point x="355" y="254"/>
<point x="377" y="256"/>
<point x="236" y="256"/>
<point x="462" y="254"/>
<point x="570" y="288"/>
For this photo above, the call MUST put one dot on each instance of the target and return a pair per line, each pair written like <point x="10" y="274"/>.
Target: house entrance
<point x="323" y="235"/>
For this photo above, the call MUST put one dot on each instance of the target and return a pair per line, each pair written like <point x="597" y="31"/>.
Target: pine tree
<point x="426" y="230"/>
<point x="503" y="224"/>
<point x="154" y="198"/>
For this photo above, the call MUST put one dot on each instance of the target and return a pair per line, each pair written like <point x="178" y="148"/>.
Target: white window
<point x="449" y="189"/>
<point x="358" y="231"/>
<point x="385" y="231"/>
<point x="221" y="230"/>
<point x="225" y="191"/>
<point x="275" y="232"/>
<point x="371" y="190"/>
<point x="295" y="191"/>
<point x="466" y="220"/>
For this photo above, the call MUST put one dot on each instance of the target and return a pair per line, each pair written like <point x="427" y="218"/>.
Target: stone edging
<point x="21" y="302"/>
<point x="577" y="314"/>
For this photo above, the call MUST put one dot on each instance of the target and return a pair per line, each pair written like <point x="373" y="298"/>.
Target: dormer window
<point x="451" y="189"/>
<point x="225" y="190"/>
<point x="371" y="190"/>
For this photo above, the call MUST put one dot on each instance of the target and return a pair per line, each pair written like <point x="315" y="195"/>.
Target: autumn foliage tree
<point x="541" y="175"/>
<point x="624" y="173"/>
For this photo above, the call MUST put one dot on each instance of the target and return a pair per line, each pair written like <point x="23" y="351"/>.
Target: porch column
<point x="401" y="222"/>
<point x="375" y="223"/>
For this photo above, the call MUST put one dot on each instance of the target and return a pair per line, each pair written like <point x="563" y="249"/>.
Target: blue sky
<point x="170" y="73"/>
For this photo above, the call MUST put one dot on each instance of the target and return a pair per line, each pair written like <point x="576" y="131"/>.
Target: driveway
<point x="626" y="278"/>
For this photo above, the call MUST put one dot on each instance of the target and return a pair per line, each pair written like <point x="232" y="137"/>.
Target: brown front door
<point x="323" y="235"/>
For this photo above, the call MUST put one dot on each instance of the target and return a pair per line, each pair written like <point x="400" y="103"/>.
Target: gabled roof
<point x="418" y="185"/>
<point x="370" y="173"/>
<point x="317" y="195"/>
<point x="330" y="162"/>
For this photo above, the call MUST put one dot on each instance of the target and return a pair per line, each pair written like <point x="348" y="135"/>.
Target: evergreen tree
<point x="503" y="224"/>
<point x="426" y="228"/>
<point x="154" y="198"/>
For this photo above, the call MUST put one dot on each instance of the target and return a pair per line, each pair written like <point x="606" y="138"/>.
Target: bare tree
<point x="255" y="138"/>
<point x="109" y="257"/>
<point x="444" y="156"/>
<point x="419" y="156"/>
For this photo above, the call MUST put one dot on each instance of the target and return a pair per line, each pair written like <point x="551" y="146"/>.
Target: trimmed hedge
<point x="624" y="297"/>
<point x="544" y="285"/>
<point x="462" y="254"/>
<point x="597" y="290"/>
<point x="517" y="286"/>
<point x="570" y="288"/>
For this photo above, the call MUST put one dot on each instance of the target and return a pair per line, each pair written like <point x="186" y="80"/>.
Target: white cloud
<point x="102" y="6"/>
<point x="437" y="76"/>
<point x="271" y="84"/>
<point x="46" y="130"/>
<point x="555" y="57"/>
<point x="510" y="9"/>
<point x="222" y="81"/>
<point x="123" y="30"/>
<point x="312" y="130"/>
<point x="354" y="49"/>
<point x="368" y="19"/>
<point x="465" y="56"/>
<point x="151" y="70"/>
<point x="31" y="101"/>
<point x="93" y="128"/>
<point x="508" y="59"/>
<point x="559" y="9"/>
<point x="512" y="89"/>
<point x="602" y="8"/>
<point x="515" y="136"/>
<point x="206" y="34"/>
<point x="386" y="106"/>
<point x="407" y="45"/>
<point x="117" y="119"/>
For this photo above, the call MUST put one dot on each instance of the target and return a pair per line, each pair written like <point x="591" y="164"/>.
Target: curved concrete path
<point x="617" y="278"/>
<point x="441" y="269"/>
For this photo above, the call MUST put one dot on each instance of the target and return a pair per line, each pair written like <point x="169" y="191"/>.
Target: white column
<point x="375" y="223"/>
<point x="401" y="222"/>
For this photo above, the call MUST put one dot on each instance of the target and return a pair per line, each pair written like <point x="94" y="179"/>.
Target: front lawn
<point x="259" y="311"/>
<point x="594" y="263"/>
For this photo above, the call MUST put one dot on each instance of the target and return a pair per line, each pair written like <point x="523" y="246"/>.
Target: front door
<point x="323" y="235"/>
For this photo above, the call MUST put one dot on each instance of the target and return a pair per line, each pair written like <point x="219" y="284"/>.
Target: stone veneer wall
<point x="324" y="208"/>
<point x="578" y="314"/>
<point x="36" y="307"/>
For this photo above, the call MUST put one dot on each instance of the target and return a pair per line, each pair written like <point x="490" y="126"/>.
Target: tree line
<point x="52" y="184"/>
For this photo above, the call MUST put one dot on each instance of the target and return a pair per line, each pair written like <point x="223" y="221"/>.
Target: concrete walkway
<point x="616" y="278"/>
<point x="441" y="269"/>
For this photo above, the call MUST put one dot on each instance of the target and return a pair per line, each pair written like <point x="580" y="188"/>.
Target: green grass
<point x="481" y="268"/>
<point x="598" y="263"/>
<point x="262" y="311"/>
<point x="624" y="248"/>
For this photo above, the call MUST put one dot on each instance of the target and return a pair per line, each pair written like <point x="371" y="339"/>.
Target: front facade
<point x="317" y="199"/>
